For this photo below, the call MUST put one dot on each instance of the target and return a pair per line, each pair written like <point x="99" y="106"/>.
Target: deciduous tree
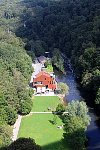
<point x="63" y="88"/>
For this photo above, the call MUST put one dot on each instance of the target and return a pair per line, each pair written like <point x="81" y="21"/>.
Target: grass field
<point x="41" y="103"/>
<point x="40" y="127"/>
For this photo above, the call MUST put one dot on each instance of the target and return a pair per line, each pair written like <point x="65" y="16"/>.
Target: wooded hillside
<point x="71" y="26"/>
<point x="15" y="72"/>
<point x="29" y="28"/>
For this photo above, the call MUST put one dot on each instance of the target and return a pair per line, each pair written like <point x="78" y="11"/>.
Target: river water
<point x="93" y="131"/>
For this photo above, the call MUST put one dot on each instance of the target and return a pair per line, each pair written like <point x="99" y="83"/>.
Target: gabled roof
<point x="41" y="58"/>
<point x="43" y="73"/>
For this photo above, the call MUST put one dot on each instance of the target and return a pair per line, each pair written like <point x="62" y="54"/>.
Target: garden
<point x="40" y="126"/>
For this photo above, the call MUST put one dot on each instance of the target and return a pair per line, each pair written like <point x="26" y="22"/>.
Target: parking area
<point x="49" y="93"/>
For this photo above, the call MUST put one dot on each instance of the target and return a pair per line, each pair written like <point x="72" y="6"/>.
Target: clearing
<point x="40" y="127"/>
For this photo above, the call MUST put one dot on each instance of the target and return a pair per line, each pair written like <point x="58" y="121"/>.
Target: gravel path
<point x="41" y="112"/>
<point x="48" y="112"/>
<point x="16" y="127"/>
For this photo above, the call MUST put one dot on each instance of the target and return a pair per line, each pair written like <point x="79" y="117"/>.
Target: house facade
<point x="44" y="81"/>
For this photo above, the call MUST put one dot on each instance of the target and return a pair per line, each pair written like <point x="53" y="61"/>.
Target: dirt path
<point x="16" y="127"/>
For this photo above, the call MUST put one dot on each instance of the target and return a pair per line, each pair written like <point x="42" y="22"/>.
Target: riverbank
<point x="93" y="130"/>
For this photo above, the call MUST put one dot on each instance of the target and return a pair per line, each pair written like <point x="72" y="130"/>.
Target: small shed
<point x="42" y="59"/>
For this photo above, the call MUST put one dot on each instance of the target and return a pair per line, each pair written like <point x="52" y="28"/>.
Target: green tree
<point x="80" y="109"/>
<point x="11" y="115"/>
<point x="60" y="108"/>
<point x="48" y="62"/>
<point x="75" y="124"/>
<point x="63" y="88"/>
<point x="57" y="60"/>
<point x="24" y="144"/>
<point x="98" y="97"/>
<point x="38" y="47"/>
<point x="75" y="132"/>
<point x="25" y="106"/>
<point x="5" y="135"/>
<point x="97" y="101"/>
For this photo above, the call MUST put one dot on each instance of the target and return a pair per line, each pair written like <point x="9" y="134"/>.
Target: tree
<point x="96" y="80"/>
<point x="11" y="115"/>
<point x="24" y="144"/>
<point x="80" y="109"/>
<point x="5" y="135"/>
<point x="98" y="97"/>
<point x="87" y="81"/>
<point x="38" y="47"/>
<point x="48" y="65"/>
<point x="25" y="106"/>
<point x="75" y="133"/>
<point x="97" y="101"/>
<point x="57" y="60"/>
<point x="63" y="88"/>
<point x="75" y="124"/>
<point x="48" y="62"/>
<point x="60" y="108"/>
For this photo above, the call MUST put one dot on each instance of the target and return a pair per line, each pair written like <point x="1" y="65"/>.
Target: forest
<point x="29" y="28"/>
<point x="72" y="27"/>
<point x="15" y="72"/>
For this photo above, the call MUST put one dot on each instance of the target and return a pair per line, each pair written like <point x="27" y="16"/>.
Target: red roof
<point x="42" y="73"/>
<point x="44" y="79"/>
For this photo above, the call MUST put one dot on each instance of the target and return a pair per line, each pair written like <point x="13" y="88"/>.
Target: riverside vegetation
<point x="29" y="28"/>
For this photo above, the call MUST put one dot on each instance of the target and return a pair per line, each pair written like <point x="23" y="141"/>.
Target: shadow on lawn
<point x="52" y="122"/>
<point x="22" y="144"/>
<point x="29" y="144"/>
<point x="59" y="145"/>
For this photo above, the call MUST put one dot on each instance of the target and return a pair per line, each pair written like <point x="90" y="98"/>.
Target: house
<point x="42" y="59"/>
<point x="44" y="81"/>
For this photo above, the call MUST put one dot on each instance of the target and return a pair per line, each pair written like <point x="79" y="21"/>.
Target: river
<point x="93" y="131"/>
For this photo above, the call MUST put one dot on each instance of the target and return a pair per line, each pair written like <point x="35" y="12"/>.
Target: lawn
<point x="40" y="127"/>
<point x="42" y="103"/>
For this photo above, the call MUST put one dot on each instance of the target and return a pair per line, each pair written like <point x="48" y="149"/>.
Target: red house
<point x="44" y="81"/>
